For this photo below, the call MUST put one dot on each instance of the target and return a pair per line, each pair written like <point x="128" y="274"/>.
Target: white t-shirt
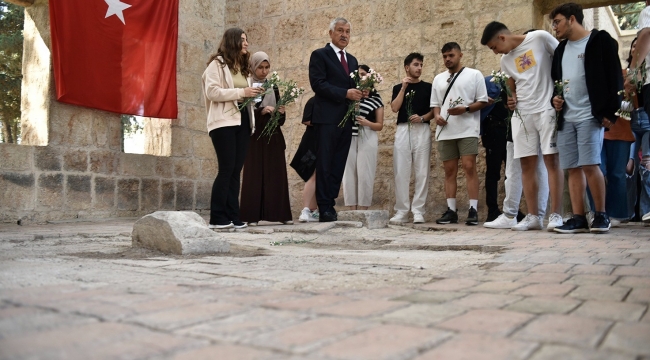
<point x="529" y="64"/>
<point x="576" y="98"/>
<point x="470" y="86"/>
<point x="644" y="22"/>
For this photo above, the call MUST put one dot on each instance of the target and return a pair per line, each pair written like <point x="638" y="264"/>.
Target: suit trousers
<point x="359" y="175"/>
<point x="333" y="147"/>
<point x="231" y="144"/>
<point x="514" y="185"/>
<point x="412" y="149"/>
<point x="494" y="141"/>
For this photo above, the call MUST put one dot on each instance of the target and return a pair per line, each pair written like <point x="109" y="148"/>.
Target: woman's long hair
<point x="629" y="58"/>
<point x="230" y="50"/>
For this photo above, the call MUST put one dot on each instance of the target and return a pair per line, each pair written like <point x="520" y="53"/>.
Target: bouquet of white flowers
<point x="624" y="112"/>
<point x="289" y="93"/>
<point x="268" y="86"/>
<point x="366" y="82"/>
<point x="501" y="79"/>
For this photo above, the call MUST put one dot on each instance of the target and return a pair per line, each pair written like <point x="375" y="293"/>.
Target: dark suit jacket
<point x="330" y="84"/>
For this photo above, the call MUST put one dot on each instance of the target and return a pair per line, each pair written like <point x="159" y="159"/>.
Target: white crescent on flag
<point x="116" y="7"/>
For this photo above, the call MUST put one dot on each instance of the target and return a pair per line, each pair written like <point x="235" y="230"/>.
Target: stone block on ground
<point x="350" y="224"/>
<point x="259" y="230"/>
<point x="177" y="232"/>
<point x="306" y="228"/>
<point x="372" y="219"/>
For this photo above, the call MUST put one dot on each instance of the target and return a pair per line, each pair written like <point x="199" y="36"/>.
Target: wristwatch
<point x="466" y="108"/>
<point x="422" y="119"/>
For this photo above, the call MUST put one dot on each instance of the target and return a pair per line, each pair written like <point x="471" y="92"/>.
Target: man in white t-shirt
<point x="457" y="96"/>
<point x="527" y="60"/>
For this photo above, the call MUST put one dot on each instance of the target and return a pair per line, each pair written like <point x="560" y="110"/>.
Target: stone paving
<point x="77" y="290"/>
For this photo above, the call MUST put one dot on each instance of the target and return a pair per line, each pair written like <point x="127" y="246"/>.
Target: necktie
<point x="344" y="62"/>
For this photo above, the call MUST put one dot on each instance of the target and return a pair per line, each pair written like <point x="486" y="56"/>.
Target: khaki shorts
<point x="455" y="148"/>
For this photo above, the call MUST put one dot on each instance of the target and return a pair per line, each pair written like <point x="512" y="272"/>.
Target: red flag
<point x="116" y="55"/>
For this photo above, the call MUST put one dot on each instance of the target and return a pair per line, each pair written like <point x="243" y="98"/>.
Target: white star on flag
<point x="116" y="7"/>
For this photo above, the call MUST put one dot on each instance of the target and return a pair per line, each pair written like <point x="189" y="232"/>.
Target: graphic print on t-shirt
<point x="525" y="61"/>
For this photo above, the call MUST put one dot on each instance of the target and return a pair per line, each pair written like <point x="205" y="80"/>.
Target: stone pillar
<point x="37" y="81"/>
<point x="157" y="136"/>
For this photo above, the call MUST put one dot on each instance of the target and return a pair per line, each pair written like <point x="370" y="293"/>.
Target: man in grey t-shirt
<point x="588" y="105"/>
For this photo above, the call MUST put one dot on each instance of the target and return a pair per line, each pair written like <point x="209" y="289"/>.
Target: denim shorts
<point x="580" y="143"/>
<point x="640" y="121"/>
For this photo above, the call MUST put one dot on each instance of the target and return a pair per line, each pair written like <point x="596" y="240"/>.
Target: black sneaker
<point x="577" y="224"/>
<point x="493" y="215"/>
<point x="448" y="217"/>
<point x="601" y="223"/>
<point x="472" y="217"/>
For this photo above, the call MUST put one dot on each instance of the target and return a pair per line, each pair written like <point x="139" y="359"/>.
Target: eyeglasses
<point x="557" y="22"/>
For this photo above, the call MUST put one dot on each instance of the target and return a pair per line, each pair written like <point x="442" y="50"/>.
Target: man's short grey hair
<point x="339" y="20"/>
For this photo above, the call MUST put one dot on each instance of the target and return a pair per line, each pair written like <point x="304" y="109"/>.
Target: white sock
<point x="451" y="203"/>
<point x="473" y="203"/>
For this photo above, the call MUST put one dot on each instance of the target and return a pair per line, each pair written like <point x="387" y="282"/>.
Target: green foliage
<point x="628" y="14"/>
<point x="11" y="54"/>
<point x="131" y="125"/>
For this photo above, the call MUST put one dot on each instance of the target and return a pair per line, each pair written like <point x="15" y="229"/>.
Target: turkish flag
<point x="116" y="55"/>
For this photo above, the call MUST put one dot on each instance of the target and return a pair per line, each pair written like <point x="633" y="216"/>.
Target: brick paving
<point x="77" y="290"/>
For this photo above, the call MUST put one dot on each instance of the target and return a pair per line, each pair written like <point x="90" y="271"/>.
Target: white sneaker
<point x="614" y="222"/>
<point x="554" y="221"/>
<point x="399" y="218"/>
<point x="418" y="218"/>
<point x="646" y="217"/>
<point x="254" y="223"/>
<point x="502" y="222"/>
<point x="227" y="226"/>
<point x="530" y="222"/>
<point x="305" y="215"/>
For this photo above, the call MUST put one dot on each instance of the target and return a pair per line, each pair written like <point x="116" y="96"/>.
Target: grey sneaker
<point x="530" y="222"/>
<point x="554" y="221"/>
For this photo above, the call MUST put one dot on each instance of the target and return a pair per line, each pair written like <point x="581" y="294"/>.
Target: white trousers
<point x="359" y="175"/>
<point x="415" y="154"/>
<point x="514" y="185"/>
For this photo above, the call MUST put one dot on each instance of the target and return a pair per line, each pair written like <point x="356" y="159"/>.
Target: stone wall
<point x="73" y="165"/>
<point x="383" y="33"/>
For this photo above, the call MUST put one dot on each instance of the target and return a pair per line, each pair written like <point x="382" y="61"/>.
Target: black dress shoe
<point x="327" y="217"/>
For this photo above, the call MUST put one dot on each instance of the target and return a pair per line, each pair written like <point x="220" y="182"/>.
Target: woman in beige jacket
<point x="226" y="82"/>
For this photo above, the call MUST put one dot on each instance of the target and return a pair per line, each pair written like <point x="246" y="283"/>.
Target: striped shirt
<point x="367" y="109"/>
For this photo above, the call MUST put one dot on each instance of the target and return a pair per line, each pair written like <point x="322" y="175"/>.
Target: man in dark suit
<point x="329" y="76"/>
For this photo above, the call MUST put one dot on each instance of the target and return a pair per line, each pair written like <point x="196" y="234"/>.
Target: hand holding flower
<point x="281" y="109"/>
<point x="267" y="110"/>
<point x="440" y="120"/>
<point x="458" y="110"/>
<point x="354" y="94"/>
<point x="415" y="118"/>
<point x="250" y="92"/>
<point x="558" y="102"/>
<point x="512" y="102"/>
<point x="363" y="121"/>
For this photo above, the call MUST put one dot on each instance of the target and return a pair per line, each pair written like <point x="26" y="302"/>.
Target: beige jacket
<point x="221" y="98"/>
